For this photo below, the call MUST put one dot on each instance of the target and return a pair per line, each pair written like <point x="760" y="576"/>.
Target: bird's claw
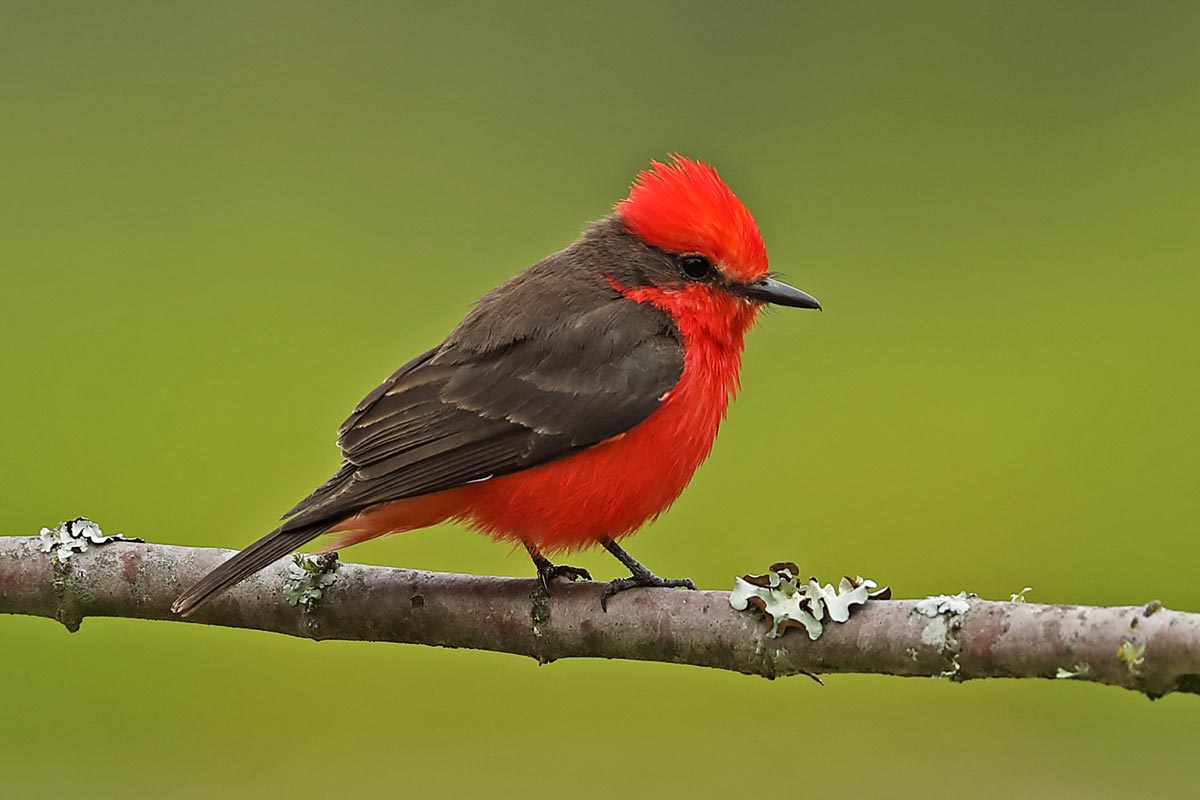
<point x="551" y="571"/>
<point x="647" y="580"/>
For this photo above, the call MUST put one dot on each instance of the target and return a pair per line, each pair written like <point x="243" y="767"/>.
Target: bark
<point x="1145" y="648"/>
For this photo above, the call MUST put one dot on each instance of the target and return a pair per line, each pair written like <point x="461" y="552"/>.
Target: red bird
<point x="571" y="405"/>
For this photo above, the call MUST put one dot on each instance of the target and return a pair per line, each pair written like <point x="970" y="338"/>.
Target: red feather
<point x="685" y="207"/>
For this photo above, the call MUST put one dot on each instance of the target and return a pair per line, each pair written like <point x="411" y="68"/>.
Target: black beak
<point x="769" y="290"/>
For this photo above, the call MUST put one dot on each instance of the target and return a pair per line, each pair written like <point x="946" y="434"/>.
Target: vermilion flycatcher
<point x="572" y="404"/>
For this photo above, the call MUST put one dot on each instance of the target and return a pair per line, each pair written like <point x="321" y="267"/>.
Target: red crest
<point x="685" y="207"/>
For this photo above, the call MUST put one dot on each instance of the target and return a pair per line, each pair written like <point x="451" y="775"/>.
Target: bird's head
<point x="686" y="211"/>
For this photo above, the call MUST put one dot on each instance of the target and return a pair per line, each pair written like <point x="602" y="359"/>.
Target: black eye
<point x="696" y="267"/>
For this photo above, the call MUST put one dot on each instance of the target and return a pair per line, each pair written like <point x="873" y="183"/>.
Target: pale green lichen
<point x="786" y="602"/>
<point x="934" y="633"/>
<point x="941" y="632"/>
<point x="1132" y="657"/>
<point x="945" y="604"/>
<point x="308" y="577"/>
<point x="1079" y="670"/>
<point x="954" y="668"/>
<point x="74" y="536"/>
<point x="1019" y="597"/>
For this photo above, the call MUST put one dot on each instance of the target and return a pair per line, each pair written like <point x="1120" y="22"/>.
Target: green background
<point x="222" y="224"/>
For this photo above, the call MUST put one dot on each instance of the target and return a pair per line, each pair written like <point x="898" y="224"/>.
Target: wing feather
<point x="476" y="407"/>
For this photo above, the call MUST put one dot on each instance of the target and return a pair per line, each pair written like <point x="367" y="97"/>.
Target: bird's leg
<point x="548" y="571"/>
<point x="640" y="577"/>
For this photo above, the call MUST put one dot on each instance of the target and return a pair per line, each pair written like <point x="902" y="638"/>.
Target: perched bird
<point x="571" y="405"/>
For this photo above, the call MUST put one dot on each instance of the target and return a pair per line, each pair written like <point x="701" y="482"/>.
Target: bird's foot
<point x="641" y="577"/>
<point x="549" y="572"/>
<point x="645" y="579"/>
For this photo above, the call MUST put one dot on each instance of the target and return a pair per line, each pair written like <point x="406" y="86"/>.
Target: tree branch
<point x="1149" y="649"/>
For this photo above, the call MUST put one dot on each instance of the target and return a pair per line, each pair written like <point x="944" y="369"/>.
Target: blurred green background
<point x="223" y="223"/>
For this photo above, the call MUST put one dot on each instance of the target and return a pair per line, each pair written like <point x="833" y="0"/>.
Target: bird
<point x="571" y="405"/>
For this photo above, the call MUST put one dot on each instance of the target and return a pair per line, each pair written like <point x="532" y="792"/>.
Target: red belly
<point x="604" y="492"/>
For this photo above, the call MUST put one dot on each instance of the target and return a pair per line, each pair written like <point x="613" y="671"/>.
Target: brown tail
<point x="274" y="545"/>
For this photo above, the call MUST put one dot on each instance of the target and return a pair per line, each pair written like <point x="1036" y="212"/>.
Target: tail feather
<point x="266" y="550"/>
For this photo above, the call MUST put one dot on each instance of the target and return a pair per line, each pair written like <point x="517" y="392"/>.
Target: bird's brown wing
<point x="473" y="409"/>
